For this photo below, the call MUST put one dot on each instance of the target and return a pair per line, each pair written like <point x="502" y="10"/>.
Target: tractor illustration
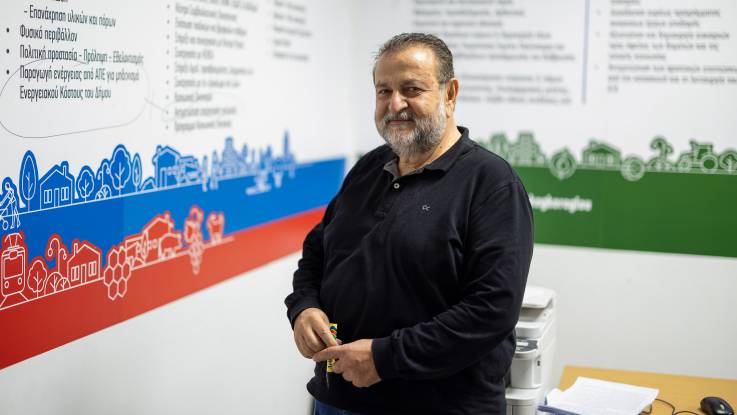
<point x="701" y="157"/>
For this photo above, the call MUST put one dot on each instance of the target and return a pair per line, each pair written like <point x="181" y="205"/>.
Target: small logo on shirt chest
<point x="425" y="208"/>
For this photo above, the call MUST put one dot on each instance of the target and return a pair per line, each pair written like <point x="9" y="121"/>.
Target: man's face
<point x="410" y="108"/>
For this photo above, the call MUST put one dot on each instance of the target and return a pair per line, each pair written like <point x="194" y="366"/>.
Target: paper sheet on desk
<point x="597" y="397"/>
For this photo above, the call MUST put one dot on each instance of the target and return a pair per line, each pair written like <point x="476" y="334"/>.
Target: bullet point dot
<point x="7" y="50"/>
<point x="7" y="29"/>
<point x="7" y="71"/>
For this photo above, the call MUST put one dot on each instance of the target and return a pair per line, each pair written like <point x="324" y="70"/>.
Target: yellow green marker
<point x="334" y="333"/>
<point x="330" y="362"/>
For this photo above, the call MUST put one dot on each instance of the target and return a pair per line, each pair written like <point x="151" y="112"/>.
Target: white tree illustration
<point x="28" y="179"/>
<point x="85" y="183"/>
<point x="37" y="275"/>
<point x="136" y="172"/>
<point x="120" y="168"/>
<point x="103" y="190"/>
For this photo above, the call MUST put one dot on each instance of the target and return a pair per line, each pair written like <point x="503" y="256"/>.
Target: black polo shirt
<point x="432" y="266"/>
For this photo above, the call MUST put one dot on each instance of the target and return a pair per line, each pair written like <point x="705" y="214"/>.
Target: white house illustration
<point x="159" y="239"/>
<point x="172" y="168"/>
<point x="84" y="264"/>
<point x="166" y="162"/>
<point x="133" y="246"/>
<point x="598" y="155"/>
<point x="56" y="186"/>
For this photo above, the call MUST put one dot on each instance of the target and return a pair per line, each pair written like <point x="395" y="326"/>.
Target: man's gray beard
<point x="427" y="134"/>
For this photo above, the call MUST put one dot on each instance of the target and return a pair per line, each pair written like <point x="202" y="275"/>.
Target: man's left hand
<point x="354" y="361"/>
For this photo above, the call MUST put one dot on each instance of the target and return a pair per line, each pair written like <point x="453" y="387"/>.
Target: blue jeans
<point x="325" y="409"/>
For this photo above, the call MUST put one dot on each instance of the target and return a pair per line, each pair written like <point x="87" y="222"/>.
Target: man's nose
<point x="397" y="102"/>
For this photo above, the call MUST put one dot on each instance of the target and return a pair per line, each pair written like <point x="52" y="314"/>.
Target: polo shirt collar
<point x="447" y="159"/>
<point x="442" y="163"/>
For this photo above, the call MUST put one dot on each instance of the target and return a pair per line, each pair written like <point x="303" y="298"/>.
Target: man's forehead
<point x="417" y="54"/>
<point x="421" y="55"/>
<point x="412" y="62"/>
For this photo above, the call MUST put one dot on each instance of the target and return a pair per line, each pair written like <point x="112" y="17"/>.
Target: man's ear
<point x="451" y="94"/>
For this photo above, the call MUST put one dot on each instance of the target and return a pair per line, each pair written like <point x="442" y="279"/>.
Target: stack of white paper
<point x="597" y="397"/>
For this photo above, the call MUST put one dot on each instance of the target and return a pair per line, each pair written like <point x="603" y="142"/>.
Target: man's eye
<point x="382" y="92"/>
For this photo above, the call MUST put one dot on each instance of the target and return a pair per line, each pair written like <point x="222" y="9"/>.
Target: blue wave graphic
<point x="250" y="187"/>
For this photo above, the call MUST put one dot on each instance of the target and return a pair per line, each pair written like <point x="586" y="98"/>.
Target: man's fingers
<point x="348" y="376"/>
<point x="303" y="349"/>
<point x="306" y="331"/>
<point x="327" y="338"/>
<point x="300" y="345"/>
<point x="312" y="341"/>
<point x="321" y="327"/>
<point x="333" y="352"/>
<point x="338" y="366"/>
<point x="320" y="316"/>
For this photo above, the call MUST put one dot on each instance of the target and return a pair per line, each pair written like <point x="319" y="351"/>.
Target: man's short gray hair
<point x="402" y="41"/>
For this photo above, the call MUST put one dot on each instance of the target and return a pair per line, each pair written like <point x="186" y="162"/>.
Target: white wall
<point x="225" y="350"/>
<point x="641" y="311"/>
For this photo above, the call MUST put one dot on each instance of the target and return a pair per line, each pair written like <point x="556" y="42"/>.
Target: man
<point x="421" y="258"/>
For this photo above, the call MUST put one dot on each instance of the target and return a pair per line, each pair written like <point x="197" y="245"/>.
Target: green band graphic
<point x="683" y="205"/>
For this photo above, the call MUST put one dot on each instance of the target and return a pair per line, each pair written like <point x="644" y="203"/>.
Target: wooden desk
<point x="684" y="392"/>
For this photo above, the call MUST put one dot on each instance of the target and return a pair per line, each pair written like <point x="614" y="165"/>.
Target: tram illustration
<point x="12" y="268"/>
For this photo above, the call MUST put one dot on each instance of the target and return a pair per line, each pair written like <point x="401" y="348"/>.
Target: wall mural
<point x="149" y="155"/>
<point x="672" y="201"/>
<point x="598" y="155"/>
<point x="73" y="237"/>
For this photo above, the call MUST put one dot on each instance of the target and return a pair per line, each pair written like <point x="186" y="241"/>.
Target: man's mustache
<point x="403" y="115"/>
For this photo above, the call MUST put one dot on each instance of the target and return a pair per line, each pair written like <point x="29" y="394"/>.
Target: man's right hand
<point x="312" y="332"/>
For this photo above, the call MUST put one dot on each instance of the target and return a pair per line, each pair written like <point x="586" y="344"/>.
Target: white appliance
<point x="530" y="377"/>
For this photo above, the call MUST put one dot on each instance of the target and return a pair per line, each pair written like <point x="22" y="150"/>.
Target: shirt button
<point x="396" y="185"/>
